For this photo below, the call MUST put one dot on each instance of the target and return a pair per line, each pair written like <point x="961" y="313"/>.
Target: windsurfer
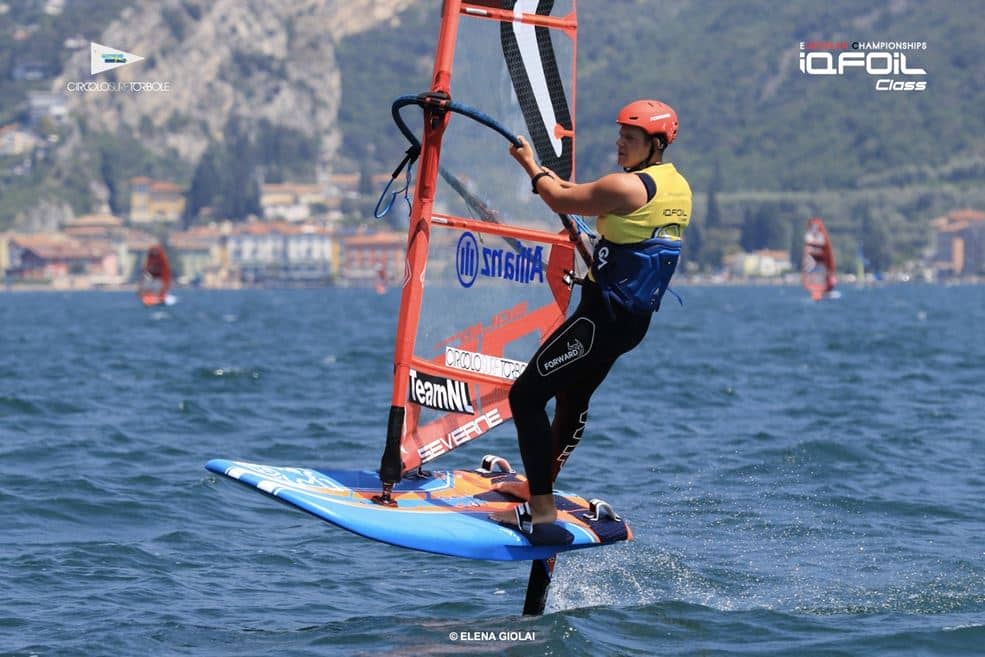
<point x="649" y="200"/>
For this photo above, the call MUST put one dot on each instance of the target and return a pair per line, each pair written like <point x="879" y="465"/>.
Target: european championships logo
<point x="103" y="58"/>
<point x="888" y="61"/>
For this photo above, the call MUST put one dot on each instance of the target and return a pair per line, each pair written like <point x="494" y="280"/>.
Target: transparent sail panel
<point x="494" y="283"/>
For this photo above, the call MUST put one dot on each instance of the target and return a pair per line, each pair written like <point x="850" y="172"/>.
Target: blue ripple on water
<point x="800" y="478"/>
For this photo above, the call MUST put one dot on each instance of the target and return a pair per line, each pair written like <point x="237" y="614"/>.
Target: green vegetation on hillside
<point x="378" y="66"/>
<point x="32" y="41"/>
<point x="228" y="176"/>
<point x="876" y="165"/>
<point x="764" y="145"/>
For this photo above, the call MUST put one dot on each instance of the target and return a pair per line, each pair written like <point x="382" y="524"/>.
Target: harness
<point x="635" y="276"/>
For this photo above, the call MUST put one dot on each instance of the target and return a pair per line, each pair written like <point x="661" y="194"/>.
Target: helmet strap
<point x="646" y="161"/>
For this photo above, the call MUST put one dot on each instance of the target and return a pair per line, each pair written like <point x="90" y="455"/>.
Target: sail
<point x="818" y="265"/>
<point x="485" y="280"/>
<point x="155" y="277"/>
<point x="860" y="266"/>
<point x="381" y="277"/>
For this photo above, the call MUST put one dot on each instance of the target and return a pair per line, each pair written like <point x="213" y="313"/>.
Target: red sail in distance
<point x="155" y="277"/>
<point x="818" y="265"/>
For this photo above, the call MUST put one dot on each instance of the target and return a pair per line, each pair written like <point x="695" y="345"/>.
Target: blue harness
<point x="635" y="276"/>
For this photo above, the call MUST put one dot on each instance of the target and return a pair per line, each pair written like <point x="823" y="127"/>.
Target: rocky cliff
<point x="220" y="59"/>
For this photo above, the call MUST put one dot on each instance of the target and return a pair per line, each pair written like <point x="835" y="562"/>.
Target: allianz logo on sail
<point x="523" y="264"/>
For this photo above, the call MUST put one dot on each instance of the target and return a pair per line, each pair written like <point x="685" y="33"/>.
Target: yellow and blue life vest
<point x="665" y="214"/>
<point x="638" y="252"/>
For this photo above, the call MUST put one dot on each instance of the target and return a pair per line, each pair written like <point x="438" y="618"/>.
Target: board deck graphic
<point x="444" y="513"/>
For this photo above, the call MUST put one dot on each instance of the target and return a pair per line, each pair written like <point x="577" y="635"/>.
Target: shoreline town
<point x="304" y="240"/>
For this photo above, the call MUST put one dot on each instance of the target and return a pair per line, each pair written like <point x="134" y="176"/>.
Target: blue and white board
<point x="445" y="513"/>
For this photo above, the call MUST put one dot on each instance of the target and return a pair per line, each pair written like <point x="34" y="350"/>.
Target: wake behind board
<point x="445" y="512"/>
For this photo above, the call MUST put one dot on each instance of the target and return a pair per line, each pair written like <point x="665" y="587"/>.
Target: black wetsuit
<point x="569" y="366"/>
<point x="576" y="358"/>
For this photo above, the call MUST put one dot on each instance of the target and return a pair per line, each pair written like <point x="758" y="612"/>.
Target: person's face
<point x="632" y="146"/>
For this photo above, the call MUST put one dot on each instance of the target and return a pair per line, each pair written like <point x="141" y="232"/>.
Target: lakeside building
<point x="343" y="185"/>
<point x="130" y="244"/>
<point x="45" y="104"/>
<point x="14" y="140"/>
<point x="198" y="255"/>
<point x="155" y="201"/>
<point x="282" y="252"/>
<point x="366" y="259"/>
<point x="59" y="260"/>
<point x="960" y="243"/>
<point x="765" y="263"/>
<point x="298" y="202"/>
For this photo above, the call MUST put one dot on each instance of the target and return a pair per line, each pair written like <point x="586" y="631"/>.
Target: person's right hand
<point x="524" y="155"/>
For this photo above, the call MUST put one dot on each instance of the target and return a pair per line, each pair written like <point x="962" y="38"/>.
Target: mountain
<point x="731" y="71"/>
<point x="877" y="165"/>
<point x="227" y="58"/>
<point x="785" y="145"/>
<point x="216" y="70"/>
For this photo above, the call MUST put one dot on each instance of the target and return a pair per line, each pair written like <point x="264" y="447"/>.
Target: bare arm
<point x="615" y="193"/>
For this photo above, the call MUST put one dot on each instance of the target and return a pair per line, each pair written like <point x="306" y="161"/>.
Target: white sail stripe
<point x="526" y="38"/>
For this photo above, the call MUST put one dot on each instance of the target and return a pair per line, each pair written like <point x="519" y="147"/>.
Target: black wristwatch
<point x="533" y="181"/>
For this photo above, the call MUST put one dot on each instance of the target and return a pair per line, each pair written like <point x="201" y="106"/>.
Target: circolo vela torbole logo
<point x="520" y="264"/>
<point x="103" y="58"/>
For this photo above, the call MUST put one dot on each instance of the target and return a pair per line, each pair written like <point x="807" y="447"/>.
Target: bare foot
<point x="542" y="512"/>
<point x="518" y="489"/>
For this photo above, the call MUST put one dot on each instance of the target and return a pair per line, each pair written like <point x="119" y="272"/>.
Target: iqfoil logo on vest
<point x="882" y="59"/>
<point x="521" y="264"/>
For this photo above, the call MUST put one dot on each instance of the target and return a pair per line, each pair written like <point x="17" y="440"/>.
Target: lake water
<point x="801" y="478"/>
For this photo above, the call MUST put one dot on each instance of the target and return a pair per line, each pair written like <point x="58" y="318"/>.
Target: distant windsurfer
<point x="155" y="277"/>
<point x="641" y="214"/>
<point x="814" y="241"/>
<point x="818" y="263"/>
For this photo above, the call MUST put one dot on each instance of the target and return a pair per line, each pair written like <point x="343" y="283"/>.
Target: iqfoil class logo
<point x="521" y="264"/>
<point x="103" y="58"/>
<point x="882" y="59"/>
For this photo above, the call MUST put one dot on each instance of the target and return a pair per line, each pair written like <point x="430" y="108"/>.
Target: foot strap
<point x="524" y="518"/>
<point x="600" y="510"/>
<point x="490" y="461"/>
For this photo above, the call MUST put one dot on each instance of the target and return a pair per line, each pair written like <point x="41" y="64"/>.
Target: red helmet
<point x="654" y="117"/>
